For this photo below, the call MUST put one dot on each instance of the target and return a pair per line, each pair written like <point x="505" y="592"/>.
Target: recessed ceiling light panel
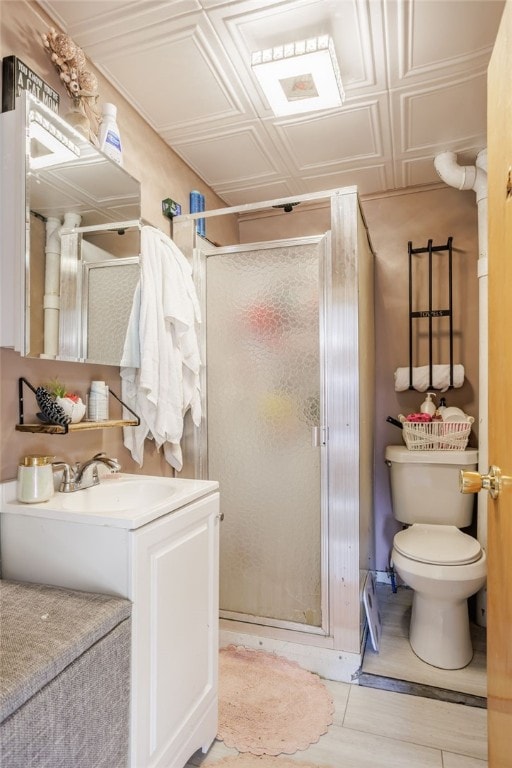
<point x="300" y="77"/>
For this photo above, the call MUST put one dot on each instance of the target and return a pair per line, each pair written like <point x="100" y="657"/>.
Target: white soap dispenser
<point x="428" y="405"/>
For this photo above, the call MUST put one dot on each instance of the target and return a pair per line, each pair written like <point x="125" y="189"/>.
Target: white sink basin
<point x="120" y="500"/>
<point x="121" y="492"/>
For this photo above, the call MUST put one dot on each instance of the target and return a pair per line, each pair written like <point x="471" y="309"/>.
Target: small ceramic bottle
<point x="440" y="409"/>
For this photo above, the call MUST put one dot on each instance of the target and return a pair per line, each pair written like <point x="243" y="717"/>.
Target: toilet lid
<point x="437" y="544"/>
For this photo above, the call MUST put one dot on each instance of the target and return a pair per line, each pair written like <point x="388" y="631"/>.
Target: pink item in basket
<point x="419" y="417"/>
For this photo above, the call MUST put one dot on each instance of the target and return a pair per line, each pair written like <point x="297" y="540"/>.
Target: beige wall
<point x="306" y="219"/>
<point x="393" y="220"/>
<point x="75" y="446"/>
<point x="162" y="174"/>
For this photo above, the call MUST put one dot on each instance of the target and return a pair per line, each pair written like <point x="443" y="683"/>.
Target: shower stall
<point x="288" y="426"/>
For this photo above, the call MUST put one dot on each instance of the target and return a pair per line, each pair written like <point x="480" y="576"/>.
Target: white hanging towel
<point x="131" y="349"/>
<point x="166" y="383"/>
<point x="420" y="377"/>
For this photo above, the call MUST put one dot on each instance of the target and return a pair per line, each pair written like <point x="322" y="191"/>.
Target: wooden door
<point x="499" y="655"/>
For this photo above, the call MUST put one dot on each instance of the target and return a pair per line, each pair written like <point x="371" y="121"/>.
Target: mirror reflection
<point x="82" y="244"/>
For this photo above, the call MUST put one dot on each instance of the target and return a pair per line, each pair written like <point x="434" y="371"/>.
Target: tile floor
<point x="375" y="728"/>
<point x="397" y="660"/>
<point x="382" y="729"/>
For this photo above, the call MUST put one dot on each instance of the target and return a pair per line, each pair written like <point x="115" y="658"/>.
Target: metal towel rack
<point x="430" y="312"/>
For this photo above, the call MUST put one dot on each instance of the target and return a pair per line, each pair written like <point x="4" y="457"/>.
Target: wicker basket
<point x="436" y="435"/>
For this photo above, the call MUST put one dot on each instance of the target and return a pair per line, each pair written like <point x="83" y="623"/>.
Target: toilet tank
<point x="425" y="485"/>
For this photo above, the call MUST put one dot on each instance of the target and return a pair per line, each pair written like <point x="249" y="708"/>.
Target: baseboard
<point x="326" y="662"/>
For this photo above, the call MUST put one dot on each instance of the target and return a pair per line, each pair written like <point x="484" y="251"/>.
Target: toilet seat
<point x="437" y="544"/>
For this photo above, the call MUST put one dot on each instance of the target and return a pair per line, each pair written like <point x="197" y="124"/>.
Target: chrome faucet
<point x="73" y="477"/>
<point x="67" y="480"/>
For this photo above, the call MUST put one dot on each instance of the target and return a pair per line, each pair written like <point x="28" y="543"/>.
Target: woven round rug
<point x="252" y="761"/>
<point x="269" y="705"/>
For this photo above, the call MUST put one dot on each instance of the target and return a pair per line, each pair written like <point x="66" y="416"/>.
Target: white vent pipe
<point x="51" y="300"/>
<point x="474" y="177"/>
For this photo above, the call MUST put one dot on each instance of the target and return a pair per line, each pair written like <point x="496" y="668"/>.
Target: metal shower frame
<point x="349" y="347"/>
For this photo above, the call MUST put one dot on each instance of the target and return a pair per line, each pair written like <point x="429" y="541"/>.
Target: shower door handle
<point x="319" y="436"/>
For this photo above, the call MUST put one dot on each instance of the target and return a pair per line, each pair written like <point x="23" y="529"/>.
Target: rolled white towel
<point x="420" y="378"/>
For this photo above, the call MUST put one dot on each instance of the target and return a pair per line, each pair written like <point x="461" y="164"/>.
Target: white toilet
<point x="443" y="565"/>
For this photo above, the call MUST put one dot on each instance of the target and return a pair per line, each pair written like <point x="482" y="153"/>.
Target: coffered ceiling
<point x="414" y="74"/>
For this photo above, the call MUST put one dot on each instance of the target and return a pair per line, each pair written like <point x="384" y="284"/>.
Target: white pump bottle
<point x="428" y="405"/>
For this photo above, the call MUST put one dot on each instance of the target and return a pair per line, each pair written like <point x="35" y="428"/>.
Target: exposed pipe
<point x="51" y="300"/>
<point x="467" y="177"/>
<point x="70" y="340"/>
<point x="463" y="176"/>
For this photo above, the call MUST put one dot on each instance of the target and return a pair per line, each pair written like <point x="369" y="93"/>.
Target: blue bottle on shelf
<point x="197" y="204"/>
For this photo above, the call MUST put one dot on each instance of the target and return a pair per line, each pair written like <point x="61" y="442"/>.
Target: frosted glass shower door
<point x="264" y="401"/>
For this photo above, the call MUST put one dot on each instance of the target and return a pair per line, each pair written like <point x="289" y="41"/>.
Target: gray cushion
<point x="43" y="630"/>
<point x="81" y="718"/>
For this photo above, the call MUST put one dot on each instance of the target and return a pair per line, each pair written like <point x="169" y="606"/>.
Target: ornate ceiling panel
<point x="413" y="73"/>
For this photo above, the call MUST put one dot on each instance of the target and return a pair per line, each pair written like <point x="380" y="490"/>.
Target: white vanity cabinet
<point x="168" y="567"/>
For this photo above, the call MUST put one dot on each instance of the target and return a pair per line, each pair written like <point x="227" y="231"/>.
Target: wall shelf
<point x="56" y="429"/>
<point x="50" y="428"/>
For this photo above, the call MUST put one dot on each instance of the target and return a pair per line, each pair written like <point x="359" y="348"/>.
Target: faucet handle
<point x="112" y="463"/>
<point x="67" y="471"/>
<point x="68" y="475"/>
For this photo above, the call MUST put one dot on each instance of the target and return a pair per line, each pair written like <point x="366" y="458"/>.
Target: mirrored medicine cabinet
<point x="71" y="240"/>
